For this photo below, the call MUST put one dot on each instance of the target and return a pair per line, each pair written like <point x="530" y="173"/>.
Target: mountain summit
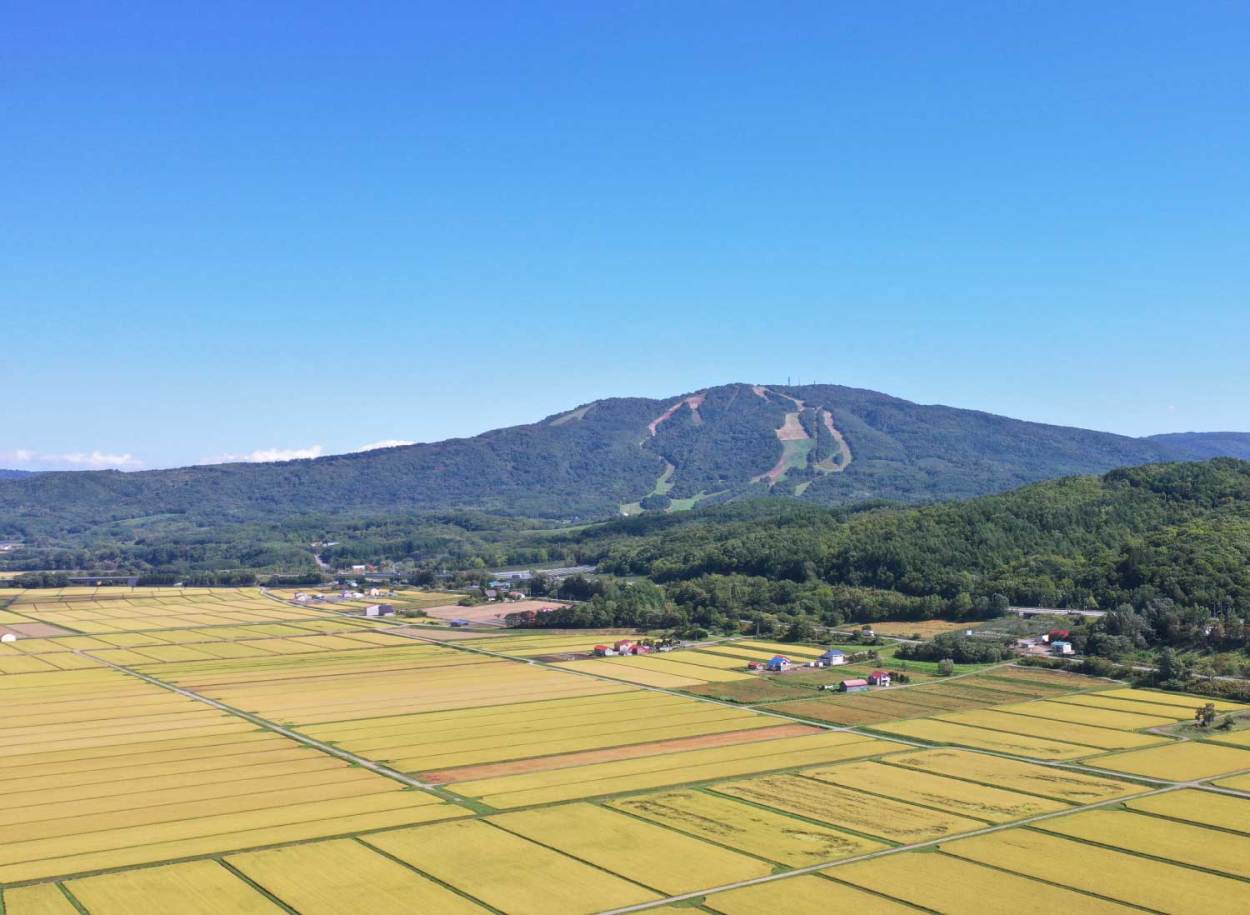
<point x="822" y="443"/>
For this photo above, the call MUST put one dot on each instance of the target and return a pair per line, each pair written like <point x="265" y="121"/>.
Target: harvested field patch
<point x="848" y="809"/>
<point x="1183" y="843"/>
<point x="1139" y="881"/>
<point x="506" y="871"/>
<point x="1031" y="778"/>
<point x="326" y="878"/>
<point x="1179" y="762"/>
<point x="777" y="837"/>
<point x="642" y="852"/>
<point x="943" y="883"/>
<point x="982" y="802"/>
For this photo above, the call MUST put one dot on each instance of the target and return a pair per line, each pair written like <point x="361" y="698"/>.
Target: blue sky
<point x="258" y="229"/>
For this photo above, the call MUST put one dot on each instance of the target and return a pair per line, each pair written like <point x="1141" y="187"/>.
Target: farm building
<point x="853" y="686"/>
<point x="379" y="610"/>
<point x="1061" y="647"/>
<point x="879" y="678"/>
<point x="602" y="651"/>
<point x="779" y="662"/>
<point x="624" y="646"/>
<point x="755" y="665"/>
<point x="831" y="657"/>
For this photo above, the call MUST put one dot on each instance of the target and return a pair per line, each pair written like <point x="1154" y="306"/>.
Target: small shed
<point x="1062" y="647"/>
<point x="853" y="686"/>
<point x="601" y="651"/>
<point x="624" y="646"/>
<point x="779" y="662"/>
<point x="755" y="665"/>
<point x="379" y="610"/>
<point x="879" y="678"/>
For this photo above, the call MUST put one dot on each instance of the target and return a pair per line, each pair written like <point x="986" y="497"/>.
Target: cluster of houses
<point x="830" y="658"/>
<point x="627" y="647"/>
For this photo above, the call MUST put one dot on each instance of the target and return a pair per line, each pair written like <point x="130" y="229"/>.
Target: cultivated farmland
<point x="198" y="750"/>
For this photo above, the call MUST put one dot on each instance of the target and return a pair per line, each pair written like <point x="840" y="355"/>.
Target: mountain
<point x="825" y="444"/>
<point x="1207" y="444"/>
<point x="13" y="474"/>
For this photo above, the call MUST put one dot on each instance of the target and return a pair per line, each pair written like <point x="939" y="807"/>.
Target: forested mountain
<point x="825" y="444"/>
<point x="13" y="474"/>
<point x="1177" y="533"/>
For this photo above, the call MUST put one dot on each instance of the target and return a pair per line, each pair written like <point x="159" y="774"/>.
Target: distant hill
<point x="13" y="474"/>
<point x="824" y="444"/>
<point x="1207" y="444"/>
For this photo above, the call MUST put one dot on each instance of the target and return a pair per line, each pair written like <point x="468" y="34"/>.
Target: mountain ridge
<point x="827" y="444"/>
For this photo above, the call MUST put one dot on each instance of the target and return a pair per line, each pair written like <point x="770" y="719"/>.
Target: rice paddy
<point x="199" y="750"/>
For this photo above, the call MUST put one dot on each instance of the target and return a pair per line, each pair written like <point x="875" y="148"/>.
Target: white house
<point x="831" y="657"/>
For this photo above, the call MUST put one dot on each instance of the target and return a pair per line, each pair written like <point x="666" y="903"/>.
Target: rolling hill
<point x="825" y="444"/>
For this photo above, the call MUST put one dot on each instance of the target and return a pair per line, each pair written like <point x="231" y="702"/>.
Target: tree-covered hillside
<point x="1179" y="532"/>
<point x="824" y="444"/>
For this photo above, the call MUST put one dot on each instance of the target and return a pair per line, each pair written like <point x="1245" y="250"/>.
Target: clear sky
<point x="238" y="227"/>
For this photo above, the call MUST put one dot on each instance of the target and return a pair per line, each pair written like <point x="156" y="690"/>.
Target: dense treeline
<point x="1171" y="536"/>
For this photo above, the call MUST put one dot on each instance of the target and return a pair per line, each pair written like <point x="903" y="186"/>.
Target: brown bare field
<point x="34" y="630"/>
<point x="658" y="748"/>
<point x="489" y="614"/>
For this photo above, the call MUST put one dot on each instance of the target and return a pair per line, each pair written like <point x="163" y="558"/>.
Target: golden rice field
<point x="1180" y="762"/>
<point x="804" y="894"/>
<point x="1124" y="877"/>
<point x="507" y="871"/>
<point x="573" y="787"/>
<point x="670" y="769"/>
<point x="1016" y="775"/>
<point x="445" y="740"/>
<point x="107" y="610"/>
<point x="1184" y="843"/>
<point x="137" y="774"/>
<point x="345" y="875"/>
<point x="1088" y="735"/>
<point x="943" y="883"/>
<point x="1204" y="808"/>
<point x="647" y="854"/>
<point x="945" y="732"/>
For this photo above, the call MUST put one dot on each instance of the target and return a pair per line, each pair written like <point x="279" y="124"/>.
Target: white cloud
<point x="267" y="455"/>
<point x="386" y="443"/>
<point x="69" y="460"/>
